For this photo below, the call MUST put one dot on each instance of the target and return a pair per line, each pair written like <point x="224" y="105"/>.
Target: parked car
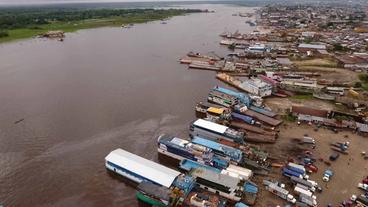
<point x="312" y="168"/>
<point x="334" y="156"/>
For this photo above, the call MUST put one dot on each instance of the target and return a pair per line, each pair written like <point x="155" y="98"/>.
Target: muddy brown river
<point x="65" y="105"/>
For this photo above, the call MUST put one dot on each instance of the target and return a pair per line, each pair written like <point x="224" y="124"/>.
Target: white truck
<point x="308" y="140"/>
<point x="308" y="183"/>
<point x="312" y="189"/>
<point x="281" y="192"/>
<point x="363" y="186"/>
<point x="301" y="191"/>
<point x="310" y="201"/>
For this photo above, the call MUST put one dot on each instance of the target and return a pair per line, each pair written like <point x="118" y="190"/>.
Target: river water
<point x="99" y="90"/>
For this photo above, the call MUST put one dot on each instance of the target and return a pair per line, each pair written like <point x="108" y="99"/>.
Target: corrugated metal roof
<point x="312" y="46"/>
<point x="143" y="167"/>
<point x="309" y="111"/>
<point x="207" y="143"/>
<point x="221" y="179"/>
<point x="210" y="125"/>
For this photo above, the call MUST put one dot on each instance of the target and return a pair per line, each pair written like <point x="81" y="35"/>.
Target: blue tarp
<point x="240" y="205"/>
<point x="250" y="188"/>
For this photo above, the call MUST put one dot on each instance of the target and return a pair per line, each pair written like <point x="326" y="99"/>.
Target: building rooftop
<point x="312" y="46"/>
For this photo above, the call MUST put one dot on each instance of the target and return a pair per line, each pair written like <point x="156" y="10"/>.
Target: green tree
<point x="358" y="84"/>
<point x="3" y="34"/>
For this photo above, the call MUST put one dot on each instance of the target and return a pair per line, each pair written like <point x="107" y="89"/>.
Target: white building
<point x="257" y="87"/>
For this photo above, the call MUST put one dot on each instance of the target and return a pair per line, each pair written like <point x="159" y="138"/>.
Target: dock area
<point x="289" y="123"/>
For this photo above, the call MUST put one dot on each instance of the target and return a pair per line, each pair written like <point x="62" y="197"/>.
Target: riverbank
<point x="80" y="19"/>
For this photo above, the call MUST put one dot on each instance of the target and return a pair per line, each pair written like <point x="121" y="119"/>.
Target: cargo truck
<point x="310" y="201"/>
<point x="327" y="175"/>
<point x="308" y="140"/>
<point x="281" y="192"/>
<point x="297" y="168"/>
<point x="312" y="185"/>
<point x="300" y="191"/>
<point x="289" y="173"/>
<point x="363" y="186"/>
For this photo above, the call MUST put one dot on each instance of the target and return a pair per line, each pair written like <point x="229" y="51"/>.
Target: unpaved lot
<point x="349" y="169"/>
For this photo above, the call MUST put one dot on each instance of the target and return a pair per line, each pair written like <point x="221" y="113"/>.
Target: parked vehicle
<point x="365" y="180"/>
<point x="327" y="175"/>
<point x="311" y="185"/>
<point x="281" y="192"/>
<point x="310" y="201"/>
<point x="290" y="173"/>
<point x="334" y="156"/>
<point x="300" y="191"/>
<point x="311" y="168"/>
<point x="296" y="168"/>
<point x="363" y="186"/>
<point x="308" y="140"/>
<point x="360" y="200"/>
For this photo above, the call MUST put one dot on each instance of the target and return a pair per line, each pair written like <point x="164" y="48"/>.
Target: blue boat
<point x="242" y="97"/>
<point x="220" y="149"/>
<point x="244" y="118"/>
<point x="188" y="165"/>
<point x="180" y="149"/>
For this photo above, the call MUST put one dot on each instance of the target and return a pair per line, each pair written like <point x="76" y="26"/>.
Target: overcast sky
<point x="4" y="2"/>
<point x="68" y="1"/>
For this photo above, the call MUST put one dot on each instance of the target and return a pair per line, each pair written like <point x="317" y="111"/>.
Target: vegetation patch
<point x="289" y="118"/>
<point x="363" y="77"/>
<point x="326" y="62"/>
<point x="20" y="23"/>
<point x="302" y="97"/>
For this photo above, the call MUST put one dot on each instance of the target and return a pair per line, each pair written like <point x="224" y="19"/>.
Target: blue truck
<point x="290" y="173"/>
<point x="297" y="168"/>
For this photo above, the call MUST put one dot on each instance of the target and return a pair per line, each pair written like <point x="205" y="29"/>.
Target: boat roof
<point x="218" y="178"/>
<point x="210" y="125"/>
<point x="207" y="143"/>
<point x="229" y="151"/>
<point x="146" y="168"/>
<point x="215" y="110"/>
<point x="178" y="141"/>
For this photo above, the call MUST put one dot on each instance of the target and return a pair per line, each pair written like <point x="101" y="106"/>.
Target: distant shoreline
<point x="71" y="20"/>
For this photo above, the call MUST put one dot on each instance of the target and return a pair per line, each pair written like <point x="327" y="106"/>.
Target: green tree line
<point x="13" y="18"/>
